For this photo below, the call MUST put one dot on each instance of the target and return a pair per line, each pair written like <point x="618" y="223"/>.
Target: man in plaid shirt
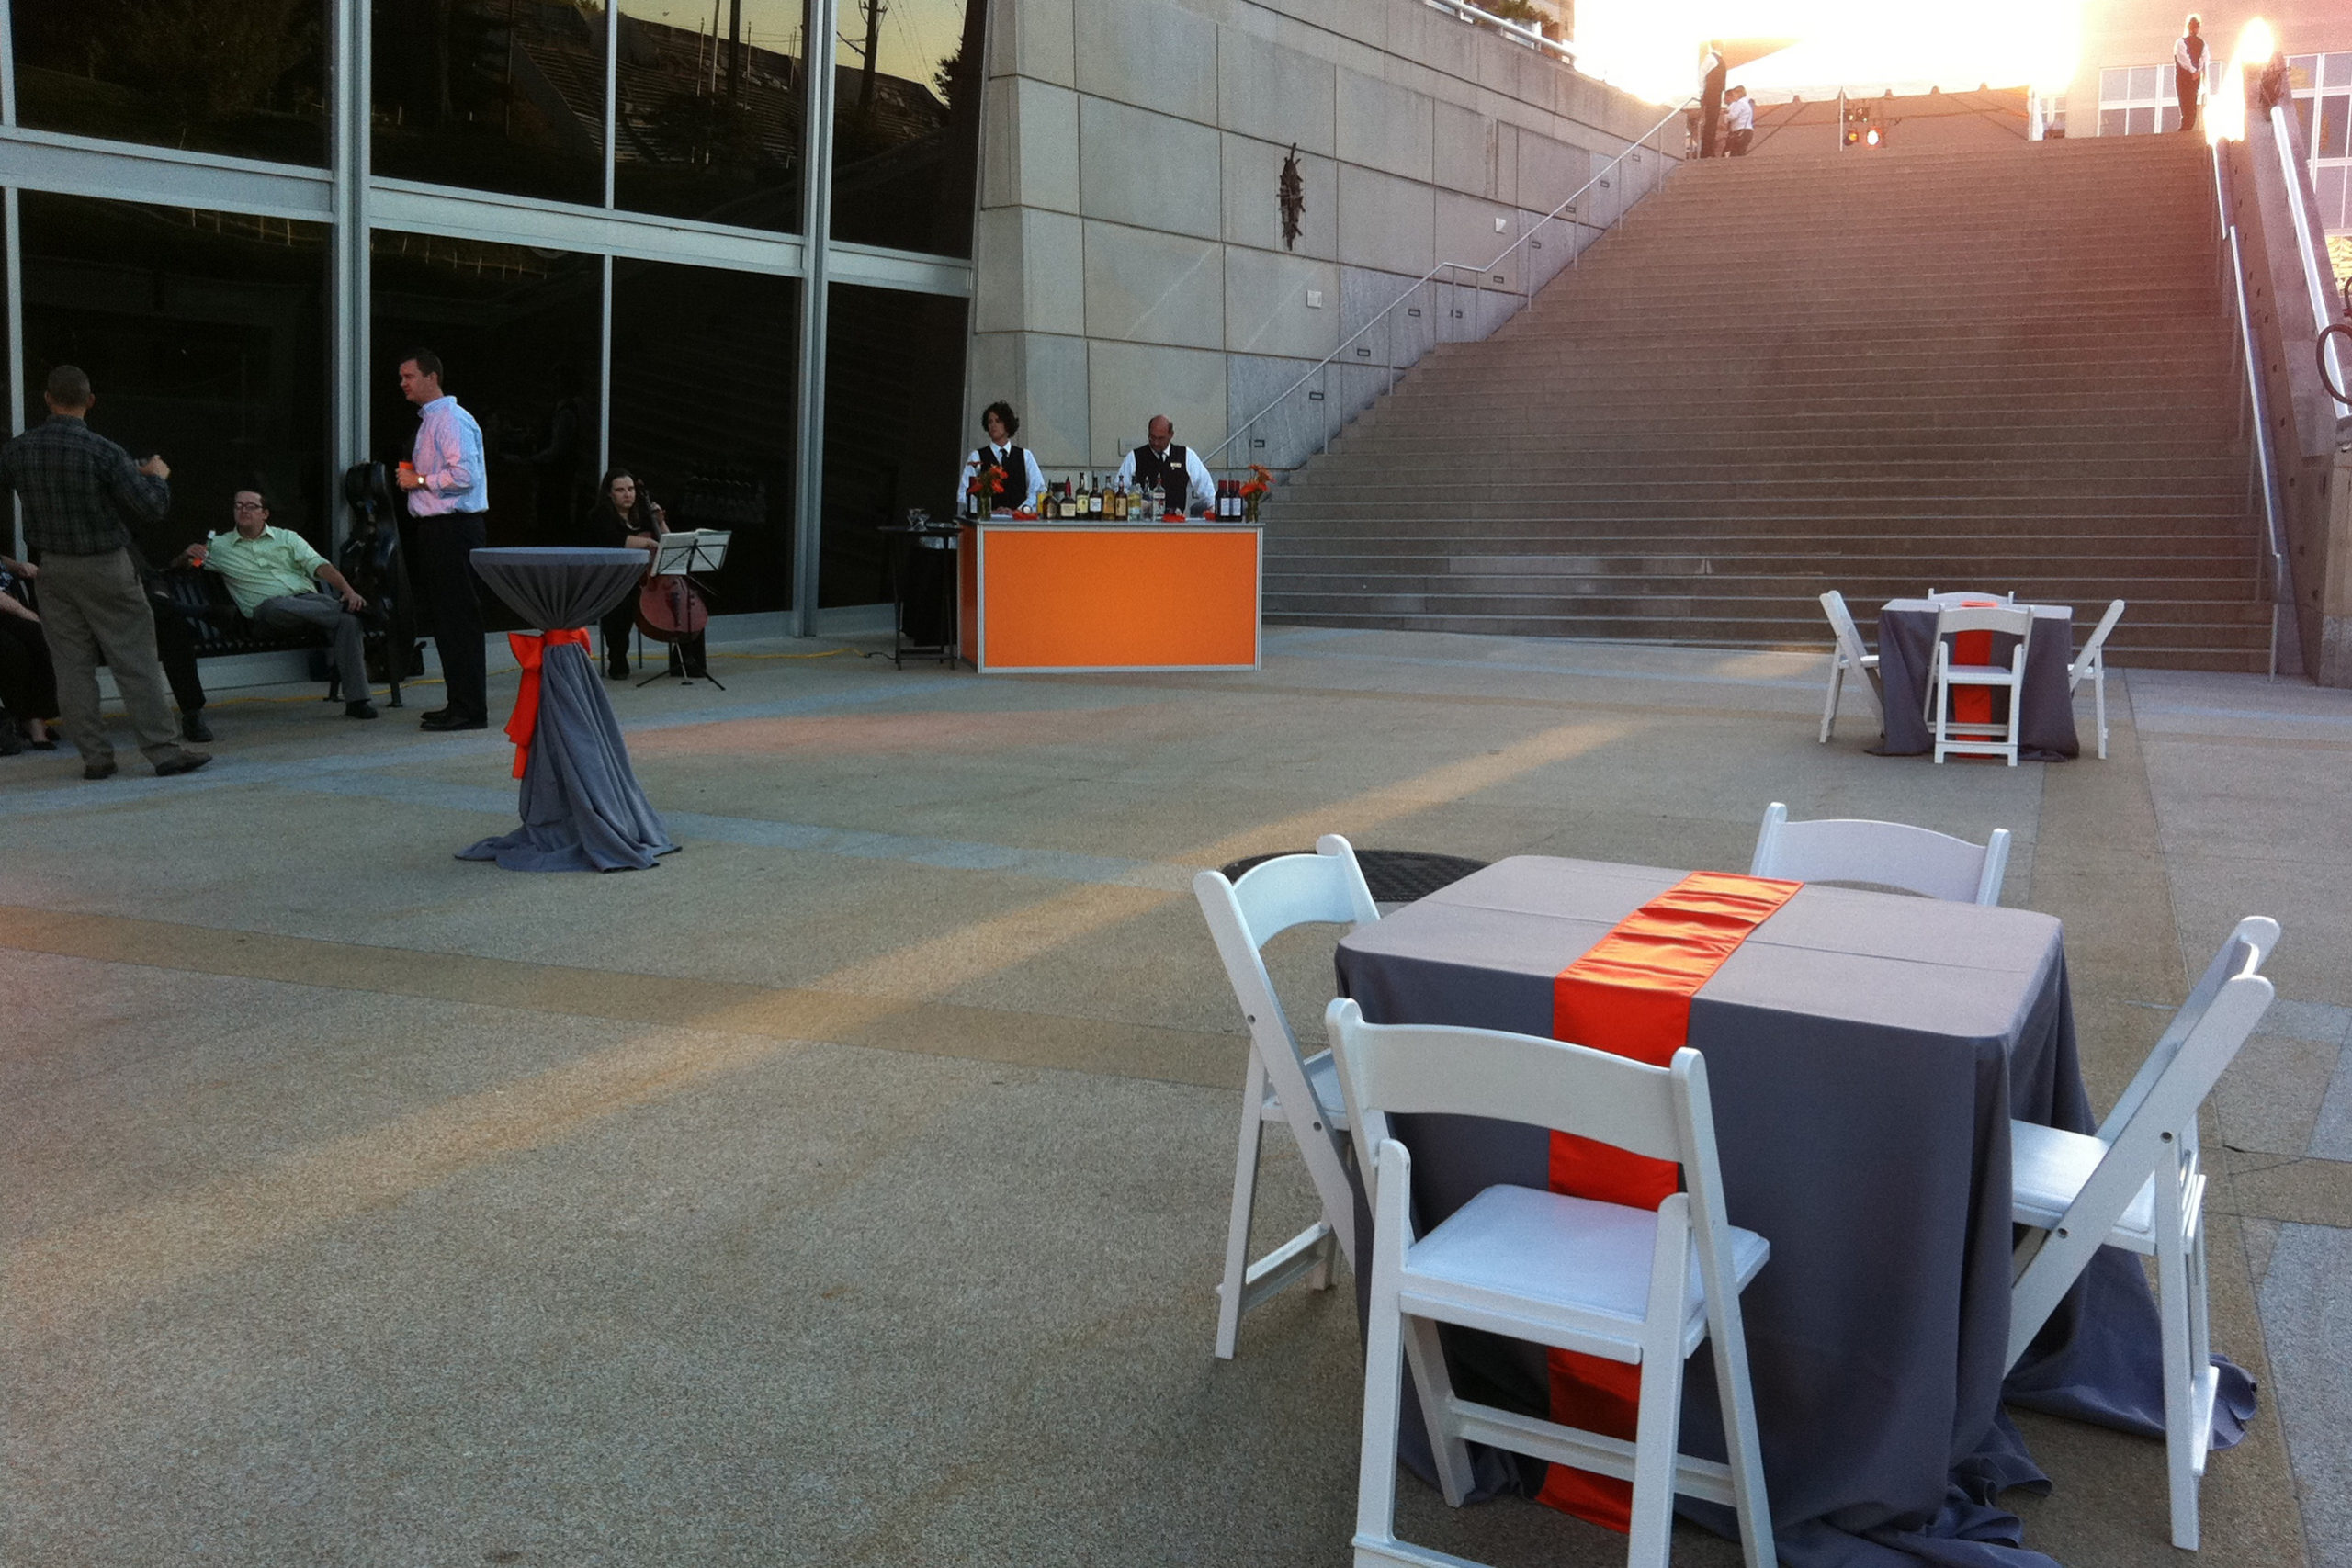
<point x="81" y="493"/>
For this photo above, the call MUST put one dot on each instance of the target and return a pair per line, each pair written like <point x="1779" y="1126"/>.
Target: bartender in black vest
<point x="1024" y="481"/>
<point x="1180" y="474"/>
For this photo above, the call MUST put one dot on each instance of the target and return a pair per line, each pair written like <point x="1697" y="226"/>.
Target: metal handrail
<point x="2323" y="291"/>
<point x="1430" y="277"/>
<point x="1518" y="32"/>
<point x="2249" y="354"/>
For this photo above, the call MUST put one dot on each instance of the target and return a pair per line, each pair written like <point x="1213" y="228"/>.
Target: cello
<point x="669" y="609"/>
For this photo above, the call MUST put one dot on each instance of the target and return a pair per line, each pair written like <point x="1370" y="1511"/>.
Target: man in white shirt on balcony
<point x="2188" y="71"/>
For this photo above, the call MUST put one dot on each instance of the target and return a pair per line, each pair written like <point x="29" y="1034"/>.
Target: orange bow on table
<point x="530" y="652"/>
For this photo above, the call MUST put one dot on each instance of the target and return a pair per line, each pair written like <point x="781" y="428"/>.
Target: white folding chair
<point x="1893" y="854"/>
<point x="1991" y="739"/>
<point x="2136" y="1184"/>
<point x="1283" y="1083"/>
<point x="1845" y="658"/>
<point x="2092" y="661"/>
<point x="1629" y="1284"/>
<point x="1959" y="595"/>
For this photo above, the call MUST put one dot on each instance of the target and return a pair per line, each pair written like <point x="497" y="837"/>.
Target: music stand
<point x="678" y="554"/>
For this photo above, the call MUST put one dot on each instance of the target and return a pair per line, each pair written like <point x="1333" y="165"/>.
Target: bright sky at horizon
<point x="1652" y="47"/>
<point x="916" y="35"/>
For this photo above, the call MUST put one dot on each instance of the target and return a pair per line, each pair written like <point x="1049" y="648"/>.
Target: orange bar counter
<point x="1096" y="596"/>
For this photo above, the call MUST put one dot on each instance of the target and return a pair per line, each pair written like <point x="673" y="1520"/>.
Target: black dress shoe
<point x="616" y="669"/>
<point x="12" y="739"/>
<point x="100" y="770"/>
<point x="194" y="728"/>
<point x="443" y="720"/>
<point x="172" y="767"/>
<point x="363" y="708"/>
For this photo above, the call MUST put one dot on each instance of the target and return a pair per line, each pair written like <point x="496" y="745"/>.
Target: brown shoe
<point x="185" y="763"/>
<point x="94" y="771"/>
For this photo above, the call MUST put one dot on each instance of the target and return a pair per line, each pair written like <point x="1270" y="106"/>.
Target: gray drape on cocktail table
<point x="581" y="807"/>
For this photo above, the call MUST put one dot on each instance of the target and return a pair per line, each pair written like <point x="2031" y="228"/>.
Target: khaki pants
<point x="94" y="612"/>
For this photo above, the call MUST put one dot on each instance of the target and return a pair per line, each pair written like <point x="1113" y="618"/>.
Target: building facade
<point x="656" y="234"/>
<point x="2123" y="85"/>
<point x="1133" y="255"/>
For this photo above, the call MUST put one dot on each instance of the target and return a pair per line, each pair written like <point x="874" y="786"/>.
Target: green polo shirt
<point x="279" y="562"/>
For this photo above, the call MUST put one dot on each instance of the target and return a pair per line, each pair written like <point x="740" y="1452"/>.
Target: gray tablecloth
<point x="580" y="805"/>
<point x="1865" y="1052"/>
<point x="1906" y="637"/>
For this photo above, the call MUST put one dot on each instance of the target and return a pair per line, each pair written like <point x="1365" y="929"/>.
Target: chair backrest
<point x="1270" y="898"/>
<point x="1841" y="623"/>
<point x="2197" y="1047"/>
<point x="1663" y="1112"/>
<point x="1956" y="595"/>
<point x="1893" y="854"/>
<point x="2098" y="638"/>
<point x="2016" y="623"/>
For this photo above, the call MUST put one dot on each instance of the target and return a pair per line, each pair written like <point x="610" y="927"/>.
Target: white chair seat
<point x="2047" y="1171"/>
<point x="1585" y="1259"/>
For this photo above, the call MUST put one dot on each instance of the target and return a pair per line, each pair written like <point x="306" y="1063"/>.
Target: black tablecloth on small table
<point x="581" y="807"/>
<point x="1906" y="640"/>
<point x="1865" y="1052"/>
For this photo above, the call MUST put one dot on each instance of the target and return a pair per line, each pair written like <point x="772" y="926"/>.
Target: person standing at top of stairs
<point x="1711" y="100"/>
<point x="2188" y="71"/>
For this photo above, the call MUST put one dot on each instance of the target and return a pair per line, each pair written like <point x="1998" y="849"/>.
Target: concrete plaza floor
<point x="850" y="1189"/>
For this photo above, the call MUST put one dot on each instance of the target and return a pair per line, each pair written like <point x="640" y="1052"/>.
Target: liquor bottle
<point x="1094" y="499"/>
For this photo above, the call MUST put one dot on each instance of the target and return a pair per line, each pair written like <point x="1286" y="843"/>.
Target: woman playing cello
<point x="625" y="517"/>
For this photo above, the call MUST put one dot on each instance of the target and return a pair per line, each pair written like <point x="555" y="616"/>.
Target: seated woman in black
<point x="625" y="517"/>
<point x="28" y="680"/>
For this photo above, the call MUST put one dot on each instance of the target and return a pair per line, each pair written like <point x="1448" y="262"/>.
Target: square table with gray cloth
<point x="581" y="807"/>
<point x="1906" y="640"/>
<point x="1865" y="1052"/>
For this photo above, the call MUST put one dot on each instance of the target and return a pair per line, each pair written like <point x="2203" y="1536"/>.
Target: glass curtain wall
<point x="711" y="104"/>
<point x="491" y="95"/>
<point x="892" y="429"/>
<point x="247" y="77"/>
<point x="702" y="411"/>
<point x="905" y="123"/>
<point x="204" y="334"/>
<point x="212" y="336"/>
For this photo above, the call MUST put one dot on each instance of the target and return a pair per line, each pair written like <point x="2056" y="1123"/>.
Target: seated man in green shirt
<point x="273" y="575"/>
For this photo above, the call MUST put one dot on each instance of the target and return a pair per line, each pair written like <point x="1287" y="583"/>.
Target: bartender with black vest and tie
<point x="1023" y="481"/>
<point x="1179" y="474"/>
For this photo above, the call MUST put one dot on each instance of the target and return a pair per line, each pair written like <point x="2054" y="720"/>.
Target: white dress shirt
<point x="1034" y="482"/>
<point x="1202" y="488"/>
<point x="1741" y="114"/>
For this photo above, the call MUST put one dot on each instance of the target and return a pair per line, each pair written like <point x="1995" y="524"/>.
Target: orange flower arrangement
<point x="1261" y="482"/>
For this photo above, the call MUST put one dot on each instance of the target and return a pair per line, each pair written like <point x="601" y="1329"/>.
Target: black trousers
<point x="444" y="576"/>
<point x="2184" y="84"/>
<point x="28" y="680"/>
<point x="175" y="649"/>
<point x="685" y="654"/>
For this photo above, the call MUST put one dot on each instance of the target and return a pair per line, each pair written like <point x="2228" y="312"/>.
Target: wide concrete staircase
<point x="1875" y="372"/>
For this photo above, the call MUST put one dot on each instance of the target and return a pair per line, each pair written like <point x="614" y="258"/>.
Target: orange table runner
<point x="1972" y="704"/>
<point x="1631" y="996"/>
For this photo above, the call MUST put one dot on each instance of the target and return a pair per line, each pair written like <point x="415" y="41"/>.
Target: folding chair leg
<point x="2182" y="1381"/>
<point x="1656" y="1448"/>
<point x="1384" y="1390"/>
<point x="1744" y="1451"/>
<point x="1425" y="1357"/>
<point x="1245" y="1195"/>
<point x="1829" y="704"/>
<point x="2098" y="701"/>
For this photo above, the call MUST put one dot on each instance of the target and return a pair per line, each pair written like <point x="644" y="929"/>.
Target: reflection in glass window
<point x="711" y="104"/>
<point x="2335" y="71"/>
<point x="492" y="94"/>
<point x="2110" y="123"/>
<point x="704" y="371"/>
<point x="894" y="394"/>
<point x="517" y="328"/>
<point x="205" y="334"/>
<point x="2334" y="115"/>
<point x="247" y="77"/>
<point x="905" y="123"/>
<point x="2303" y="71"/>
<point x="2138" y="122"/>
